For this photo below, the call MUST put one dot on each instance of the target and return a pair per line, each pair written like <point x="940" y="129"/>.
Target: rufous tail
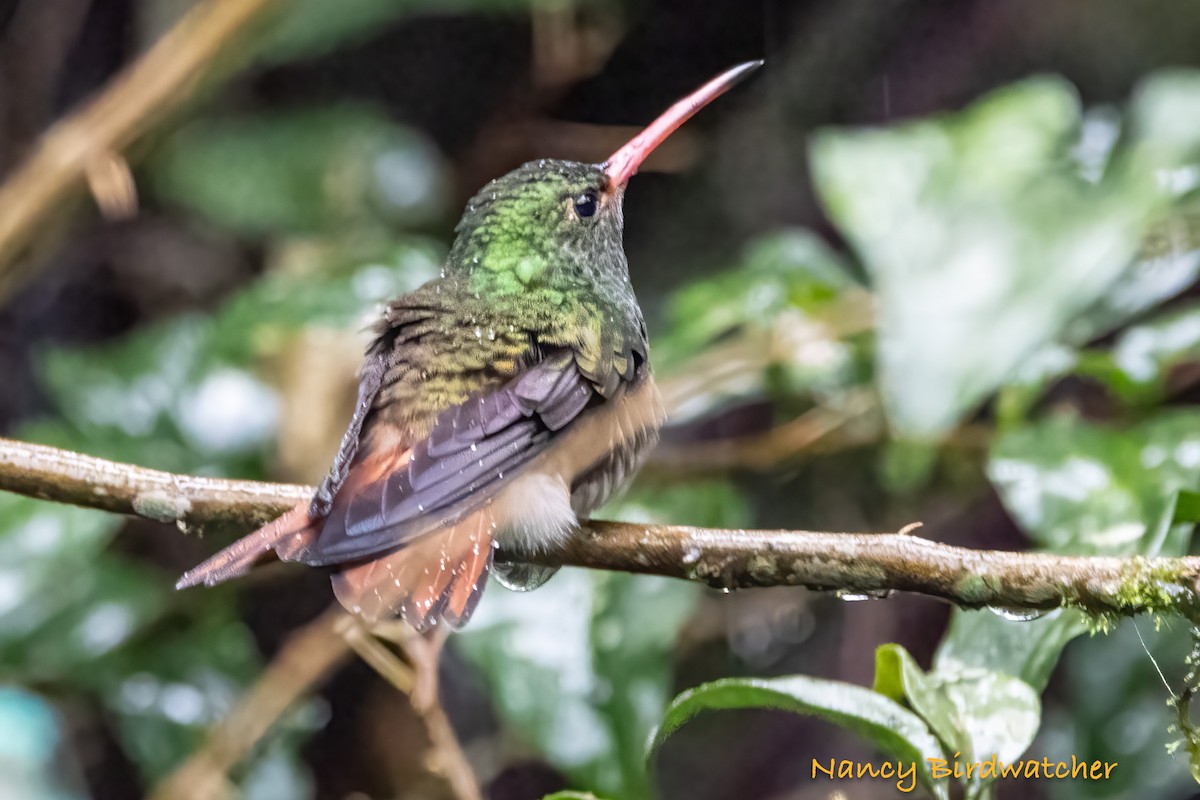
<point x="438" y="576"/>
<point x="285" y="534"/>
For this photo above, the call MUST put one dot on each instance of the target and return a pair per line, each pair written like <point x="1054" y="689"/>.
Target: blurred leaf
<point x="335" y="284"/>
<point x="36" y="760"/>
<point x="180" y="395"/>
<point x="1136" y="368"/>
<point x="1030" y="380"/>
<point x="571" y="796"/>
<point x="74" y="614"/>
<point x="312" y="27"/>
<point x="108" y="603"/>
<point x="1115" y="711"/>
<point x="977" y="227"/>
<point x="1143" y="355"/>
<point x="1080" y="489"/>
<point x="280" y="774"/>
<point x="1169" y="262"/>
<point x="898" y="733"/>
<point x="713" y="503"/>
<point x="786" y="271"/>
<point x="582" y="668"/>
<point x="1162" y="118"/>
<point x="780" y="324"/>
<point x="907" y="465"/>
<point x="167" y="690"/>
<point x="300" y="171"/>
<point x="157" y="399"/>
<point x="47" y="552"/>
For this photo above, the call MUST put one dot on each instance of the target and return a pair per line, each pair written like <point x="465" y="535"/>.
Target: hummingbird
<point x="497" y="404"/>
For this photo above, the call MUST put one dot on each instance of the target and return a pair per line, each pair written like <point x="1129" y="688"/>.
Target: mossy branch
<point x="867" y="564"/>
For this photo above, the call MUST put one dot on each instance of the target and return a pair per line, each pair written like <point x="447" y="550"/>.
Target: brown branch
<point x="423" y="654"/>
<point x="156" y="85"/>
<point x="850" y="563"/>
<point x="308" y="657"/>
<point x="819" y="429"/>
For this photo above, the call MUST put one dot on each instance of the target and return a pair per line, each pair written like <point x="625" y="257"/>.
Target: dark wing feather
<point x="370" y="379"/>
<point x="458" y="467"/>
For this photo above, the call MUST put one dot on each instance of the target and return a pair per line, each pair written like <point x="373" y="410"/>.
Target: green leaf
<point x="771" y="323"/>
<point x="73" y="614"/>
<point x="898" y="677"/>
<point x="710" y="502"/>
<point x="1081" y="489"/>
<point x="48" y="552"/>
<point x="977" y="227"/>
<point x="1143" y="355"/>
<point x="312" y="27"/>
<point x="167" y="690"/>
<point x="582" y="669"/>
<point x="1027" y="649"/>
<point x="571" y="796"/>
<point x="319" y="169"/>
<point x="896" y="732"/>
<point x="335" y="284"/>
<point x="1000" y="714"/>
<point x="978" y="713"/>
<point x="1187" y="508"/>
<point x="786" y="271"/>
<point x="1168" y="262"/>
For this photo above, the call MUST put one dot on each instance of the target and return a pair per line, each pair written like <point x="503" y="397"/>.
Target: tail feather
<point x="439" y="576"/>
<point x="436" y="576"/>
<point x="290" y="532"/>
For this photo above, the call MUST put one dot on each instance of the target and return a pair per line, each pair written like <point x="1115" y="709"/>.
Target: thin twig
<point x="852" y="563"/>
<point x="305" y="661"/>
<point x="806" y="433"/>
<point x="157" y="84"/>
<point x="423" y="654"/>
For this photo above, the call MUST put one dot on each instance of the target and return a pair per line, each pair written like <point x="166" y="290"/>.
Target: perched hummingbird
<point x="496" y="404"/>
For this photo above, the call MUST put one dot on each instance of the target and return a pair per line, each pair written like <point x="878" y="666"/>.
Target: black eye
<point x="586" y="204"/>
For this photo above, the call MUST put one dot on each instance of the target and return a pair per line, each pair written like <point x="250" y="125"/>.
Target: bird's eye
<point x="586" y="204"/>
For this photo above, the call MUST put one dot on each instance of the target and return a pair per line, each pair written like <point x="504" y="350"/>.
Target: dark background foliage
<point x="214" y="332"/>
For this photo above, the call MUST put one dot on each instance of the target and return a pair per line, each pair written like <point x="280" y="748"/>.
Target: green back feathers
<point x="526" y="271"/>
<point x="525" y="250"/>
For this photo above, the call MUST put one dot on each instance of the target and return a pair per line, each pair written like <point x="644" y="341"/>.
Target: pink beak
<point x="625" y="162"/>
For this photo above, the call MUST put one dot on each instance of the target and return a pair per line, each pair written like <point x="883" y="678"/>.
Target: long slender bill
<point x="625" y="162"/>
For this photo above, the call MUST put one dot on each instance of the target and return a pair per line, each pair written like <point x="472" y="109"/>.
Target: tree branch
<point x="871" y="564"/>
<point x="157" y="84"/>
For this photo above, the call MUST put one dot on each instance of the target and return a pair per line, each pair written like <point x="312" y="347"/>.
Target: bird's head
<point x="559" y="223"/>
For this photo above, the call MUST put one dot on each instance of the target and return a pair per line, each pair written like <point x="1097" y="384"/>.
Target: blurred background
<point x="979" y="313"/>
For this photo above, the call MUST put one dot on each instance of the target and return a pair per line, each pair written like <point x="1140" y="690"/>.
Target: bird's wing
<point x="391" y="495"/>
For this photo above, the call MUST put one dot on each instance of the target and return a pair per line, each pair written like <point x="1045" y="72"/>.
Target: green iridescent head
<point x="555" y="226"/>
<point x="551" y="224"/>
